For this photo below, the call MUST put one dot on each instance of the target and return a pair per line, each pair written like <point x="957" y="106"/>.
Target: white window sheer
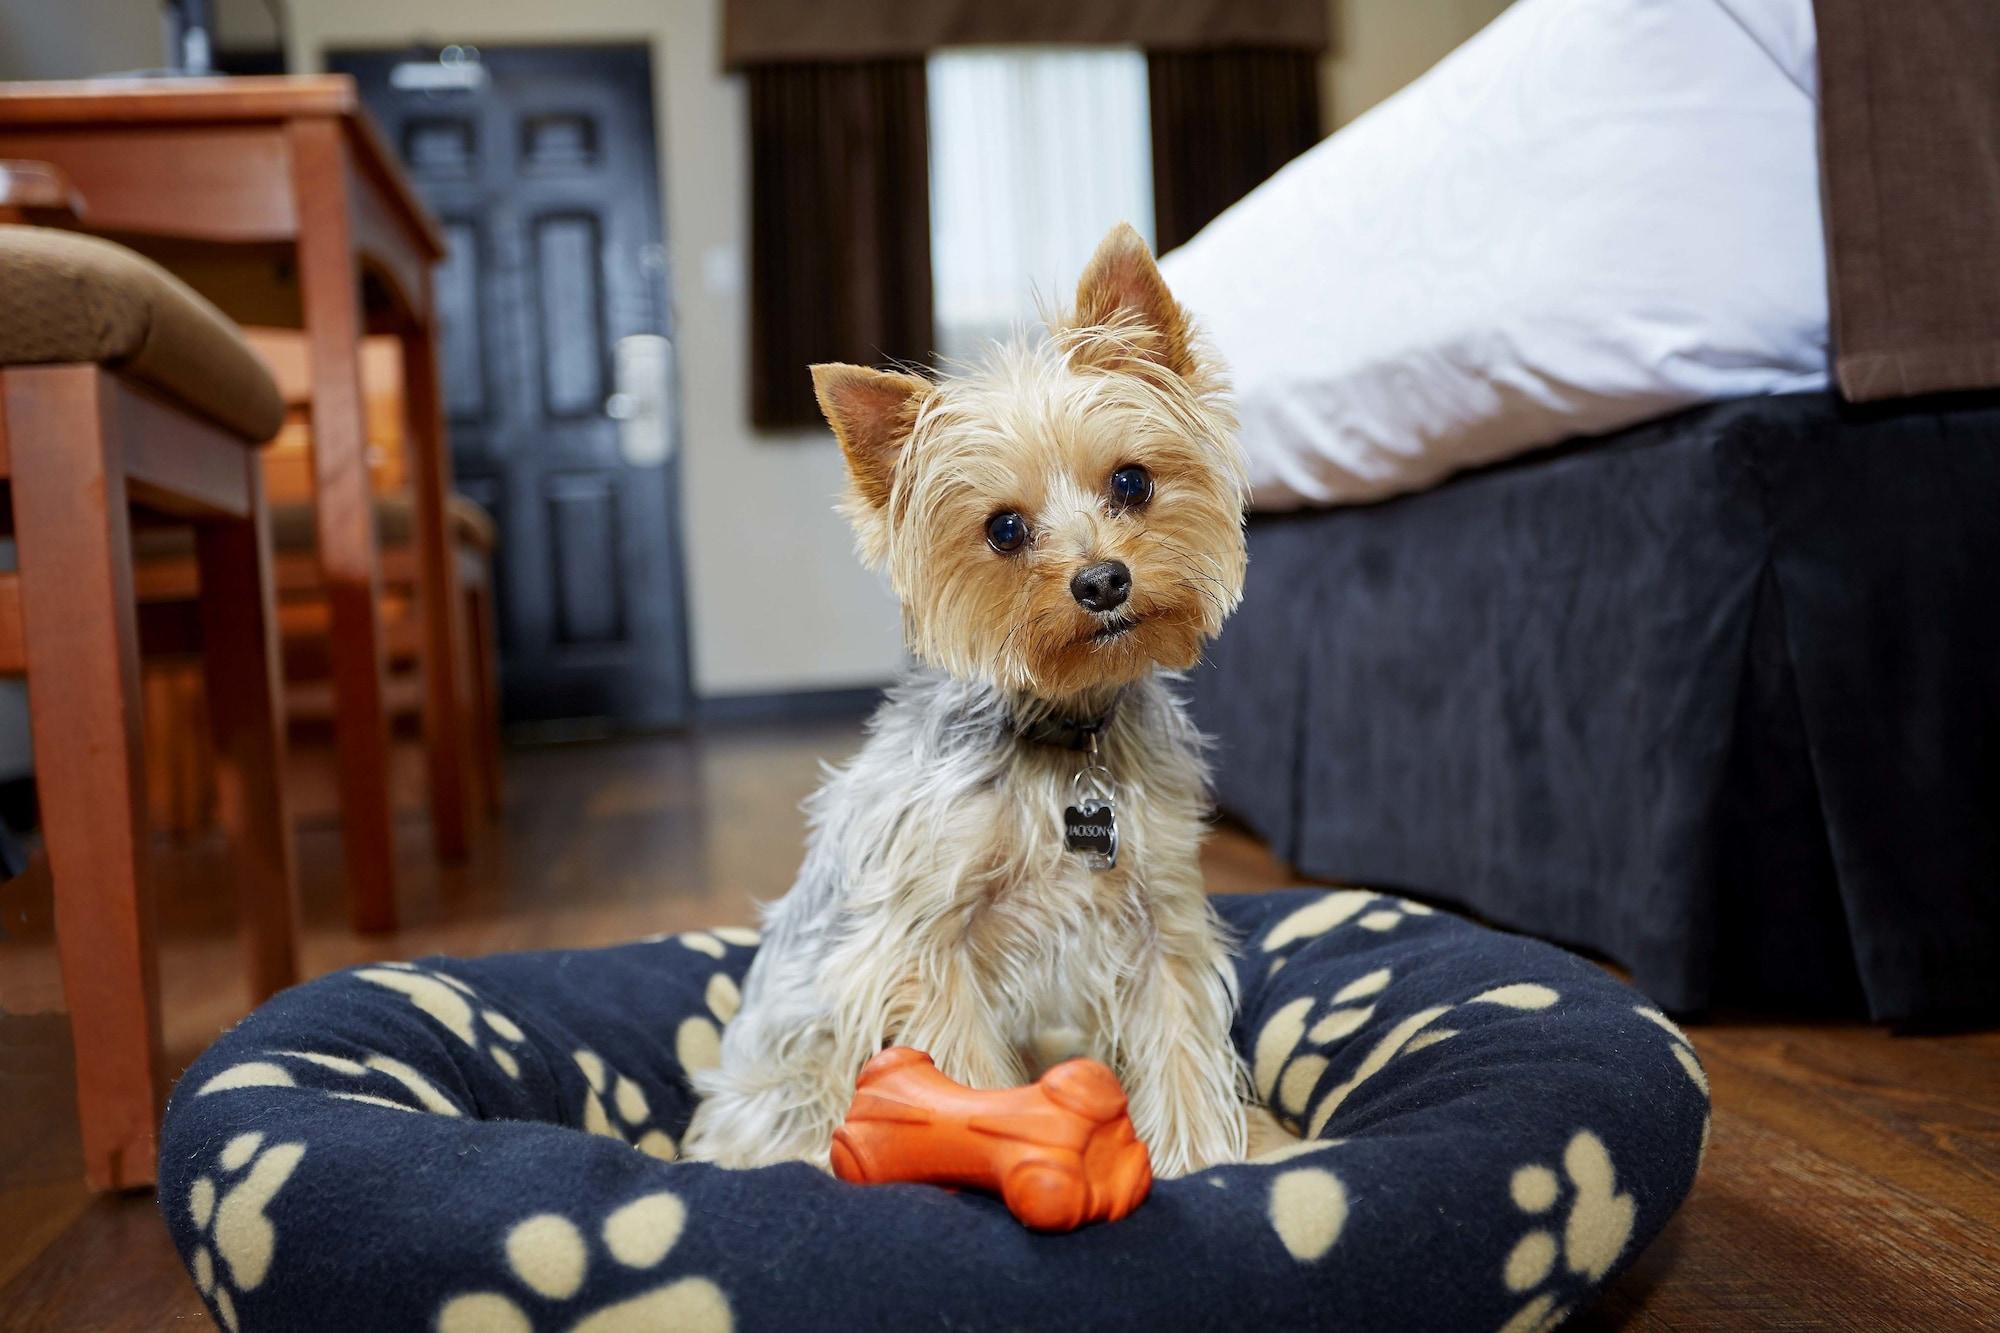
<point x="1034" y="154"/>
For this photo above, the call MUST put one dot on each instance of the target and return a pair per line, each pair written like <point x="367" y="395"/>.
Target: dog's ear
<point x="1122" y="290"/>
<point x="871" y="412"/>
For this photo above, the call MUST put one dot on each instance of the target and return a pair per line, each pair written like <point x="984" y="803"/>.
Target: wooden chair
<point x="125" y="397"/>
<point x="176" y="748"/>
<point x="469" y="529"/>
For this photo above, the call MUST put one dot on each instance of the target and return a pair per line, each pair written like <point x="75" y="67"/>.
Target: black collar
<point x="1065" y="733"/>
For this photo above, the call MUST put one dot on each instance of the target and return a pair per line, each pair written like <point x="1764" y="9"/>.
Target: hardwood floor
<point x="1852" y="1181"/>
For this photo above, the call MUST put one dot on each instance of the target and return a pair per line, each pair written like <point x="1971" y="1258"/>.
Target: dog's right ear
<point x="872" y="413"/>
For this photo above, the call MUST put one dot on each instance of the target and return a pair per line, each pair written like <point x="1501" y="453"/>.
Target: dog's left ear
<point x="1122" y="286"/>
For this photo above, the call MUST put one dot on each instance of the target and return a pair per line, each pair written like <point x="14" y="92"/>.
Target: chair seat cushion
<point x="68" y="298"/>
<point x="1494" y="1129"/>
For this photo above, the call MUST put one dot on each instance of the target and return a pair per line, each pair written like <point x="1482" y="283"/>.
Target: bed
<point x="490" y="1145"/>
<point x="1716" y="697"/>
<point x="1634" y="380"/>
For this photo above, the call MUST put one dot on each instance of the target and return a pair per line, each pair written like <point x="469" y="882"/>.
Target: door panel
<point x="583" y="532"/>
<point x="544" y="175"/>
<point x="569" y="314"/>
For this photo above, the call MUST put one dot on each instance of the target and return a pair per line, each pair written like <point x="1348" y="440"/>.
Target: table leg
<point x="81" y="632"/>
<point x="245" y="677"/>
<point x="447" y="681"/>
<point x="344" y="512"/>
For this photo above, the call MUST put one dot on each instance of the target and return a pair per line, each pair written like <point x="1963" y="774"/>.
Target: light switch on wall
<point x="722" y="270"/>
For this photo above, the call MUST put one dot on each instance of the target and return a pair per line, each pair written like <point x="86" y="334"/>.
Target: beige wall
<point x="73" y="39"/>
<point x="248" y="23"/>
<point x="777" y="600"/>
<point x="1380" y="45"/>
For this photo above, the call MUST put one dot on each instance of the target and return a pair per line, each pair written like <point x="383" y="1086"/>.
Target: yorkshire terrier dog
<point x="1006" y="875"/>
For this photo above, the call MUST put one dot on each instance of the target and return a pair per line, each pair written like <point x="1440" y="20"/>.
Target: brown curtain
<point x="1223" y="121"/>
<point x="1910" y="178"/>
<point x="840" y="229"/>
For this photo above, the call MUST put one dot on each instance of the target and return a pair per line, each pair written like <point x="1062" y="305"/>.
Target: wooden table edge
<point x="270" y="99"/>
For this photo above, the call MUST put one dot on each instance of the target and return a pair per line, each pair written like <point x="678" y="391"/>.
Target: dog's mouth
<point x="1115" y="629"/>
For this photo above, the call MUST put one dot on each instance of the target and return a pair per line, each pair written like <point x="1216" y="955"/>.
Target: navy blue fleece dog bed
<point x="1494" y="1129"/>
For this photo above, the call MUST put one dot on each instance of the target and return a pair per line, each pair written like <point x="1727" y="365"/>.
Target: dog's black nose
<point x="1102" y="587"/>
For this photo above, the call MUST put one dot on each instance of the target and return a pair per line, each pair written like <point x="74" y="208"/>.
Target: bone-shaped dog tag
<point x="1090" y="824"/>
<point x="1090" y="829"/>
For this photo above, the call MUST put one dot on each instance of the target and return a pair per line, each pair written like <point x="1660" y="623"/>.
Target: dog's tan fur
<point x="938" y="906"/>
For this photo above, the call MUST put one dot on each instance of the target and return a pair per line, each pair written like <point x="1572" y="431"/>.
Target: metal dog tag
<point x="1090" y="823"/>
<point x="1091" y="831"/>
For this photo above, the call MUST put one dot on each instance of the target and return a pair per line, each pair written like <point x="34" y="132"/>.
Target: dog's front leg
<point x="1181" y="1073"/>
<point x="787" y="1069"/>
<point x="947" y="1017"/>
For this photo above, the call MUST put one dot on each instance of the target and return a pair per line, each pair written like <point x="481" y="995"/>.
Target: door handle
<point x="642" y="401"/>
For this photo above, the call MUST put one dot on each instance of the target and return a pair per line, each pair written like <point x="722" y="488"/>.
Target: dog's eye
<point x="1006" y="531"/>
<point x="1131" y="485"/>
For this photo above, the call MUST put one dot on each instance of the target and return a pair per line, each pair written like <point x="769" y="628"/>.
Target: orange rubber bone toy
<point x="1060" y="1151"/>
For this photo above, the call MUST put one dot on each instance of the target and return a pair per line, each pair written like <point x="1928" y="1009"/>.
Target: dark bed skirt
<point x="1717" y="697"/>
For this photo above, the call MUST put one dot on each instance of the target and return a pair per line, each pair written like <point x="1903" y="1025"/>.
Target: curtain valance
<point x="781" y="31"/>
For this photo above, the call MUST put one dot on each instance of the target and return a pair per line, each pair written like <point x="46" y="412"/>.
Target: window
<point x="1034" y="154"/>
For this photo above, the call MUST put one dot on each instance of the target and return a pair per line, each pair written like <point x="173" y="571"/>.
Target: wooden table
<point x="276" y="198"/>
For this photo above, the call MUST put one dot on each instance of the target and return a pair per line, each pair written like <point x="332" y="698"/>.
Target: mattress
<point x="1716" y="697"/>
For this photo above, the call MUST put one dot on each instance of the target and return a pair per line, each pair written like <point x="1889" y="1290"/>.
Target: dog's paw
<point x="1188" y="1132"/>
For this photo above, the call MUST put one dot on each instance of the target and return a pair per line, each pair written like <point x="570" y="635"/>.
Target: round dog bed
<point x="1493" y="1130"/>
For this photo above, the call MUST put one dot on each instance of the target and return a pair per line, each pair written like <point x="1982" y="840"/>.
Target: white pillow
<point x="1592" y="213"/>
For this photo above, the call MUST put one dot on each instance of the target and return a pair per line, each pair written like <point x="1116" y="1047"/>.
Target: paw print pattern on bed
<point x="1303" y="1038"/>
<point x="630" y="1117"/>
<point x="238" y="1240"/>
<point x="698" y="1040"/>
<point x="1683" y="1052"/>
<point x="227" y="1206"/>
<point x="1579" y="1222"/>
<point x="382" y="1080"/>
<point x="456" y="1007"/>
<point x="273" y="1072"/>
<point x="1366" y="908"/>
<point x="615" y="1106"/>
<point x="549" y="1260"/>
<point x="1580" y="1239"/>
